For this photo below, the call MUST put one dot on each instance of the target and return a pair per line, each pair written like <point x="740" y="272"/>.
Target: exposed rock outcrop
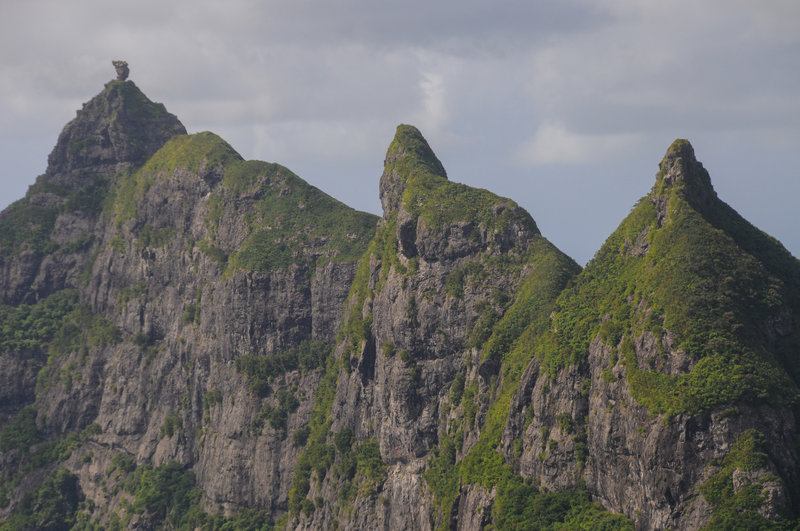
<point x="194" y="260"/>
<point x="122" y="69"/>
<point x="118" y="129"/>
<point x="443" y="269"/>
<point x="191" y="340"/>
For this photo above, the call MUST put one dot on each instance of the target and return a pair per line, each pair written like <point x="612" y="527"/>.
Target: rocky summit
<point x="192" y="340"/>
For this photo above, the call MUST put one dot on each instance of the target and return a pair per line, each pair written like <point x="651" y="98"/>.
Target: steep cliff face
<point x="45" y="232"/>
<point x="192" y="340"/>
<point x="439" y="275"/>
<point x="189" y="326"/>
<point x="672" y="357"/>
<point x="46" y="236"/>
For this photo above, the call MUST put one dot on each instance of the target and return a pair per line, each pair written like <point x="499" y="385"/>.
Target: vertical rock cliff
<point x="46" y="236"/>
<point x="447" y="264"/>
<point x="672" y="359"/>
<point x="192" y="340"/>
<point x="167" y="309"/>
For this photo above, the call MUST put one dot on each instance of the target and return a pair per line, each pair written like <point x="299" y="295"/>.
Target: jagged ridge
<point x="177" y="280"/>
<point x="181" y="328"/>
<point x="452" y="278"/>
<point x="688" y="310"/>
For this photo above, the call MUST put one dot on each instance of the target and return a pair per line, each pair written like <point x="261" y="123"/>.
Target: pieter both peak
<point x="192" y="340"/>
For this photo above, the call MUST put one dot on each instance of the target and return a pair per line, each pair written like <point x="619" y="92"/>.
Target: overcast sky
<point x="566" y="106"/>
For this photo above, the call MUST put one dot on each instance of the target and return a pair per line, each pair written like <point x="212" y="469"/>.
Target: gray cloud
<point x="565" y="106"/>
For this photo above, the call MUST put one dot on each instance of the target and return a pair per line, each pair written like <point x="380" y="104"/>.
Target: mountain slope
<point x="116" y="130"/>
<point x="451" y="269"/>
<point x="182" y="337"/>
<point x="685" y="263"/>
<point x="683" y="331"/>
<point x="192" y="340"/>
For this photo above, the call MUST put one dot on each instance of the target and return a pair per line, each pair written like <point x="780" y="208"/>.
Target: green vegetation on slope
<point x="410" y="156"/>
<point x="26" y="224"/>
<point x="164" y="497"/>
<point x="291" y="218"/>
<point x="308" y="355"/>
<point x="737" y="507"/>
<point x="30" y="326"/>
<point x="57" y="325"/>
<point x="709" y="287"/>
<point x="288" y="220"/>
<point x="52" y="505"/>
<point x="438" y="202"/>
<point x="168" y="496"/>
<point x="191" y="152"/>
<point x="513" y="342"/>
<point x="521" y="505"/>
<point x="318" y="455"/>
<point x="21" y="435"/>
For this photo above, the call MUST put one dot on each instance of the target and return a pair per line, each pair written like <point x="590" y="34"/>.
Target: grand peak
<point x="408" y="156"/>
<point x="118" y="128"/>
<point x="680" y="169"/>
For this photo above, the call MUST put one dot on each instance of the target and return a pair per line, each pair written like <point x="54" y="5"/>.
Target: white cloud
<point x="555" y="145"/>
<point x="432" y="86"/>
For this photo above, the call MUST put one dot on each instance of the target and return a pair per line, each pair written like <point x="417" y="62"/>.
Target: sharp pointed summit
<point x="182" y="329"/>
<point x="680" y="169"/>
<point x="685" y="313"/>
<point x="408" y="155"/>
<point x="118" y="128"/>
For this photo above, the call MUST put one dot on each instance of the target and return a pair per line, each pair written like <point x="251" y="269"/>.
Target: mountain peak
<point x="118" y="128"/>
<point x="680" y="169"/>
<point x="680" y="148"/>
<point x="408" y="155"/>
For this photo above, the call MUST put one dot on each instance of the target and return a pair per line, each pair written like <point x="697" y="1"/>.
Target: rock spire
<point x="679" y="168"/>
<point x="122" y="69"/>
<point x="408" y="155"/>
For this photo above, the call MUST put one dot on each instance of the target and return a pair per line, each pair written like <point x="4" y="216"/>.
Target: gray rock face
<point x="155" y="267"/>
<point x="118" y="128"/>
<point x="474" y="508"/>
<point x="18" y="378"/>
<point x="17" y="274"/>
<point x="122" y="70"/>
<point x="188" y="261"/>
<point x="396" y="387"/>
<point x="188" y="357"/>
<point x="633" y="463"/>
<point x="680" y="168"/>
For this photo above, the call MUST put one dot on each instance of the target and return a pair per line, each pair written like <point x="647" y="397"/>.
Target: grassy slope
<point x="711" y="280"/>
<point x="287" y="212"/>
<point x="287" y="218"/>
<point x="508" y="338"/>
